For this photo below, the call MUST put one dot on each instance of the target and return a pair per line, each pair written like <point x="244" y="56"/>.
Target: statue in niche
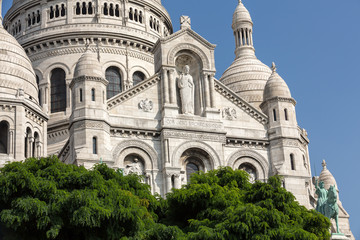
<point x="251" y="171"/>
<point x="133" y="168"/>
<point x="186" y="86"/>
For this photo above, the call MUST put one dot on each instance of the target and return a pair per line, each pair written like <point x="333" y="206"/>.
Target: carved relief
<point x="195" y="136"/>
<point x="229" y="113"/>
<point x="146" y="105"/>
<point x="191" y="123"/>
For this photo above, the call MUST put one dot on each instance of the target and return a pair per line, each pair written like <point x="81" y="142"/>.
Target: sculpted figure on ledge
<point x="186" y="86"/>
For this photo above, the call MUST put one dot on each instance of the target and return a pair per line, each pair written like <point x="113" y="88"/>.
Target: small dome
<point x="327" y="177"/>
<point x="247" y="77"/>
<point x="16" y="70"/>
<point x="241" y="15"/>
<point x="88" y="65"/>
<point x="276" y="86"/>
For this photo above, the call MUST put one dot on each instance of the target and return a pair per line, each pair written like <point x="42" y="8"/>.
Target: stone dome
<point x="241" y="15"/>
<point x="247" y="77"/>
<point x="276" y="87"/>
<point x="16" y="70"/>
<point x="88" y="65"/>
<point x="327" y="177"/>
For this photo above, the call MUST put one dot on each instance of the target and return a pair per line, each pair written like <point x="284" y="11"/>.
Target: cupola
<point x="276" y="86"/>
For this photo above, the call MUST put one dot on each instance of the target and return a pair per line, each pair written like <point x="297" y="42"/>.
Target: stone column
<point x="212" y="90"/>
<point x="30" y="148"/>
<point x="168" y="182"/>
<point x="11" y="141"/>
<point x="177" y="182"/>
<point x="146" y="18"/>
<point x="68" y="97"/>
<point x="241" y="37"/>
<point x="165" y="81"/>
<point x="44" y="14"/>
<point x="207" y="90"/>
<point x="172" y="86"/>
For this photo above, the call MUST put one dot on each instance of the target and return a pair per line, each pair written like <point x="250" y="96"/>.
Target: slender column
<point x="212" y="91"/>
<point x="177" y="182"/>
<point x="207" y="90"/>
<point x="236" y="38"/>
<point x="241" y="37"/>
<point x="168" y="182"/>
<point x="30" y="149"/>
<point x="172" y="86"/>
<point x="251" y="38"/>
<point x="165" y="86"/>
<point x="11" y="142"/>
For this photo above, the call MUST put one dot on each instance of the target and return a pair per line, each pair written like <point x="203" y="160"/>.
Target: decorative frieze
<point x="139" y="134"/>
<point x="36" y="118"/>
<point x="190" y="123"/>
<point x="248" y="143"/>
<point x="195" y="136"/>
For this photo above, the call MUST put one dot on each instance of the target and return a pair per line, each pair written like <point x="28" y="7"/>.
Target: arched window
<point x="39" y="92"/>
<point x="111" y="9"/>
<point x="136" y="15"/>
<point x="292" y="162"/>
<point x="83" y="9"/>
<point x="131" y="14"/>
<point x="58" y="90"/>
<point x="286" y="114"/>
<point x="112" y="74"/>
<point x="81" y="95"/>
<point x="141" y="17"/>
<point x="51" y="13"/>
<point x="63" y="11"/>
<point x="117" y="11"/>
<point x="93" y="94"/>
<point x="90" y="8"/>
<point x="4" y="137"/>
<point x="38" y="17"/>
<point x="106" y="10"/>
<point x="57" y="11"/>
<point x="27" y="145"/>
<point x="251" y="170"/>
<point x="34" y="145"/>
<point x="77" y="8"/>
<point x="274" y="114"/>
<point x="190" y="169"/>
<point x="138" y="77"/>
<point x="94" y="145"/>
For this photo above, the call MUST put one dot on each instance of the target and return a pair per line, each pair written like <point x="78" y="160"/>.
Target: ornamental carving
<point x="146" y="105"/>
<point x="195" y="136"/>
<point x="193" y="48"/>
<point x="193" y="123"/>
<point x="229" y="113"/>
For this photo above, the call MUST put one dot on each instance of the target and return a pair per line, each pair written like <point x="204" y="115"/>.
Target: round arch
<point x="213" y="156"/>
<point x="144" y="150"/>
<point x="140" y="69"/>
<point x="9" y="120"/>
<point x="117" y="64"/>
<point x="247" y="156"/>
<point x="47" y="72"/>
<point x="191" y="48"/>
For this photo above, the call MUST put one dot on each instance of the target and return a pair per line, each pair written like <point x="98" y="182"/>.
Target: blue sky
<point x="316" y="46"/>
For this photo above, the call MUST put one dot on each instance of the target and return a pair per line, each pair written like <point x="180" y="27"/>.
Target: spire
<point x="243" y="27"/>
<point x="273" y="67"/>
<point x="324" y="164"/>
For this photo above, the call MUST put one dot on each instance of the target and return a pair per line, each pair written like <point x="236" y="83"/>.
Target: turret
<point x="288" y="145"/>
<point x="89" y="119"/>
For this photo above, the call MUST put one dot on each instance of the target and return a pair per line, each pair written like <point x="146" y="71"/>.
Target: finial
<point x="273" y="67"/>
<point x="324" y="164"/>
<point x="240" y="1"/>
<point x="185" y="22"/>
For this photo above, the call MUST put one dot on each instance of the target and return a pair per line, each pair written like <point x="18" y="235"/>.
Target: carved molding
<point x="36" y="118"/>
<point x="136" y="144"/>
<point x="140" y="134"/>
<point x="215" y="160"/>
<point x="190" y="47"/>
<point x="195" y="136"/>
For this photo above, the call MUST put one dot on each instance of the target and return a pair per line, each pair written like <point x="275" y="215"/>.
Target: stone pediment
<point x="241" y="103"/>
<point x="185" y="32"/>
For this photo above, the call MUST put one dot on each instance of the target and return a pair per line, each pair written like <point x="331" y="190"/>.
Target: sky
<point x="316" y="47"/>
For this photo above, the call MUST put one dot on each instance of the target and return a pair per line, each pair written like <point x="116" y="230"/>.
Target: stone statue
<point x="134" y="167"/>
<point x="322" y="197"/>
<point x="186" y="86"/>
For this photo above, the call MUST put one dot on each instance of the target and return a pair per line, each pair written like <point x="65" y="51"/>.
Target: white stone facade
<point x="108" y="76"/>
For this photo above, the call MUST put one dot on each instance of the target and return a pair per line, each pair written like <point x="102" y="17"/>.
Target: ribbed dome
<point x="241" y="15"/>
<point x="276" y="87"/>
<point x="247" y="76"/>
<point x="88" y="65"/>
<point x="327" y="177"/>
<point x="16" y="70"/>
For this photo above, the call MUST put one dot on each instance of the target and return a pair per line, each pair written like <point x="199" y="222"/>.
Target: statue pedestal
<point x="338" y="236"/>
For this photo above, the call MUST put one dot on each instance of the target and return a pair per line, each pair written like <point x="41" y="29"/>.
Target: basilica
<point x="110" y="81"/>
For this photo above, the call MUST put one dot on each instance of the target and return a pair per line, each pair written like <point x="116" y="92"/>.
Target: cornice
<point x="241" y="103"/>
<point x="88" y="78"/>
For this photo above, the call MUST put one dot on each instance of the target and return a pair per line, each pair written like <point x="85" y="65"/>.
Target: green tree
<point x="222" y="204"/>
<point x="46" y="199"/>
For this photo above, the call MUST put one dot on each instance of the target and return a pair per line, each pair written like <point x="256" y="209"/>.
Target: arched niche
<point x="190" y="58"/>
<point x="243" y="158"/>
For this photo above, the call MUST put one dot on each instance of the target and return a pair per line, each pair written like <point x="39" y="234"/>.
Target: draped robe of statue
<point x="186" y="86"/>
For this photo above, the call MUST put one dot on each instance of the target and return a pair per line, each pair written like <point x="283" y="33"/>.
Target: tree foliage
<point x="46" y="199"/>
